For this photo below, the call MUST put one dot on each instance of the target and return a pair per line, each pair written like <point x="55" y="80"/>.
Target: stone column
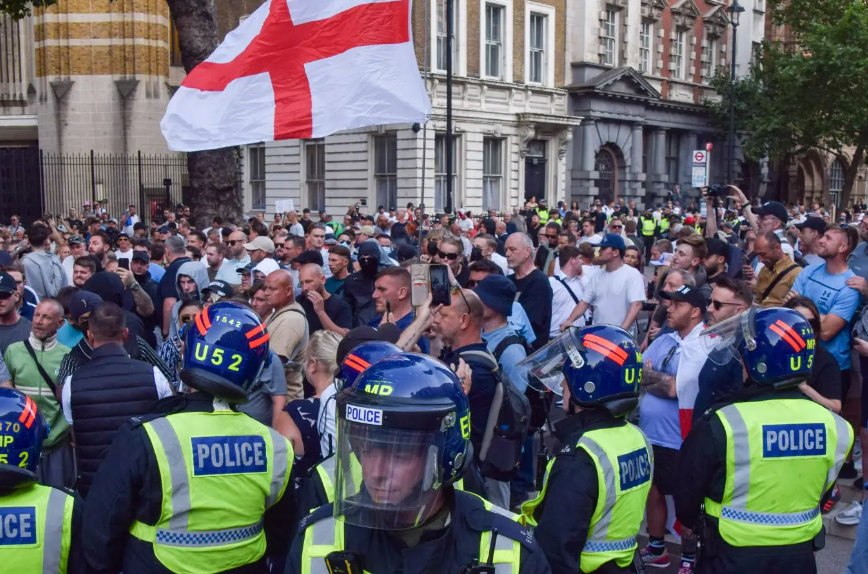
<point x="636" y="148"/>
<point x="589" y="129"/>
<point x="659" y="176"/>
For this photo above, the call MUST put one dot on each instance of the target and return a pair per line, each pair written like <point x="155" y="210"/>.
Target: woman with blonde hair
<point x="298" y="422"/>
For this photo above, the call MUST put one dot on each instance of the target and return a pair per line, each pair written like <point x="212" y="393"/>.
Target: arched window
<point x="605" y="166"/>
<point x="836" y="177"/>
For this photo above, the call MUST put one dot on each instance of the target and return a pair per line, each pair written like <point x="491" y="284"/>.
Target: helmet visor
<point x="544" y="369"/>
<point x="386" y="478"/>
<point x="721" y="341"/>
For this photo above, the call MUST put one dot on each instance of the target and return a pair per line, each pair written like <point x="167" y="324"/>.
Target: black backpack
<point x="507" y="424"/>
<point x="540" y="401"/>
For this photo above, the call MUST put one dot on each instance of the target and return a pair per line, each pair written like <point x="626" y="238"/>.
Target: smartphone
<point x="388" y="308"/>
<point x="441" y="290"/>
<point x="419" y="282"/>
<point x="124" y="263"/>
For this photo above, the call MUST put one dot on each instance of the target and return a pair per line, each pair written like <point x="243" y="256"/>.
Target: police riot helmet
<point x="225" y="350"/>
<point x="775" y="345"/>
<point x="599" y="365"/>
<point x="22" y="430"/>
<point x="403" y="433"/>
<point x="363" y="356"/>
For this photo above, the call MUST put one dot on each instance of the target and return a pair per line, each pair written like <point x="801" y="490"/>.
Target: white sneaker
<point x="851" y="516"/>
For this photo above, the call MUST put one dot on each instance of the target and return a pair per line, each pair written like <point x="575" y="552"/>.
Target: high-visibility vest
<point x="327" y="535"/>
<point x="35" y="530"/>
<point x="219" y="472"/>
<point x="624" y="461"/>
<point x="663" y="226"/>
<point x="781" y="456"/>
<point x="543" y="216"/>
<point x="649" y="227"/>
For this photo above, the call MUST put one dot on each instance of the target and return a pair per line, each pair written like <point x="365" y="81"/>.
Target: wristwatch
<point x="135" y="286"/>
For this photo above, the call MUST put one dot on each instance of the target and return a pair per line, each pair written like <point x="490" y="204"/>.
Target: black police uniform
<point x="574" y="478"/>
<point x="128" y="488"/>
<point x="702" y="474"/>
<point x="444" y="551"/>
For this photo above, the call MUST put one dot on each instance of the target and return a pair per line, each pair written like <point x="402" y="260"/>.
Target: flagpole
<point x="450" y="30"/>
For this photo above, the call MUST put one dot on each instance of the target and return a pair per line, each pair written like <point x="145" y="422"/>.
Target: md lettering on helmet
<point x="364" y="415"/>
<point x="17" y="526"/>
<point x="806" y="439"/>
<point x="229" y="455"/>
<point x="381" y="388"/>
<point x="634" y="468"/>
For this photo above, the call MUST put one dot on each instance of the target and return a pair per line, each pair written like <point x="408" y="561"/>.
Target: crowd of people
<point x="96" y="316"/>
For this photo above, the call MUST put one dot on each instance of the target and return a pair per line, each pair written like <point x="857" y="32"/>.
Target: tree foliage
<point x="812" y="93"/>
<point x="20" y="8"/>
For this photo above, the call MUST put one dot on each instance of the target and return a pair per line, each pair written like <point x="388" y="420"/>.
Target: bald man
<point x="239" y="258"/>
<point x="288" y="329"/>
<point x="323" y="310"/>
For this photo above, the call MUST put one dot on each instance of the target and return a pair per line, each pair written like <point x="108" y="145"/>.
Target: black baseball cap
<point x="309" y="256"/>
<point x="688" y="294"/>
<point x="717" y="247"/>
<point x="7" y="283"/>
<point x="221" y="288"/>
<point x="818" y="224"/>
<point x="775" y="209"/>
<point x="141" y="256"/>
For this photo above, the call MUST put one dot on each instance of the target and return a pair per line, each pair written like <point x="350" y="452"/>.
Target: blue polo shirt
<point x="659" y="418"/>
<point x="402" y="324"/>
<point x="831" y="295"/>
<point x="511" y="356"/>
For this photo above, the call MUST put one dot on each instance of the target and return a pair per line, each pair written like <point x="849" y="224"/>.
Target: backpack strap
<point x="481" y="358"/>
<point x="507" y="342"/>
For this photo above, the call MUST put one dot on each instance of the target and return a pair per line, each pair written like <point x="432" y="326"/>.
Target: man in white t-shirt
<point x="77" y="248"/>
<point x="616" y="291"/>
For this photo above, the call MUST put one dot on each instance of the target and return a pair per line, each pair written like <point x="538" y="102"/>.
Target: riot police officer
<point x="403" y="440"/>
<point x="40" y="526"/>
<point x="761" y="462"/>
<point x="317" y="487"/>
<point x="198" y="487"/>
<point x="588" y="512"/>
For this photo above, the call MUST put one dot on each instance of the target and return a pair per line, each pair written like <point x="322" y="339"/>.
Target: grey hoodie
<point x="44" y="273"/>
<point x="199" y="273"/>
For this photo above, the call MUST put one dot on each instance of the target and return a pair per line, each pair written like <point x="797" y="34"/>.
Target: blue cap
<point x="497" y="292"/>
<point x="83" y="302"/>
<point x="5" y="258"/>
<point x="613" y="240"/>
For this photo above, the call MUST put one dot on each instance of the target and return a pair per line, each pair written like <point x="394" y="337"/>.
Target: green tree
<point x="811" y="94"/>
<point x="214" y="186"/>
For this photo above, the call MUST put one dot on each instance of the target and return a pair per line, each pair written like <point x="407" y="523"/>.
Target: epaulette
<point x="139" y="420"/>
<point x="512" y="530"/>
<point x="323" y="511"/>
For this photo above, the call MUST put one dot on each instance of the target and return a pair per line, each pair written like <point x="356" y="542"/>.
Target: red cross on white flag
<point x="301" y="69"/>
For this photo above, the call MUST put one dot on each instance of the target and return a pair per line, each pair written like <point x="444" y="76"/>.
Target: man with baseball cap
<point x="811" y="230"/>
<point x="616" y="291"/>
<point x="772" y="216"/>
<point x="660" y="416"/>
<point x="497" y="294"/>
<point x="260" y="248"/>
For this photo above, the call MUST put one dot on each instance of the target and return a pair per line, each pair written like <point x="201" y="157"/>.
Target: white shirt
<point x="562" y="303"/>
<point x="296" y="229"/>
<point x="325" y="421"/>
<point x="785" y="244"/>
<point x="129" y="229"/>
<point x="164" y="389"/>
<point x="121" y="255"/>
<point x="67" y="268"/>
<point x="612" y="293"/>
<point x="325" y="262"/>
<point x="501" y="262"/>
<point x="594" y="239"/>
<point x="465" y="224"/>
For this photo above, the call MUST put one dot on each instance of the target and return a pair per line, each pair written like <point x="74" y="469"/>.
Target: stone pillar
<point x="659" y="176"/>
<point x="589" y="129"/>
<point x="634" y="184"/>
<point x="636" y="148"/>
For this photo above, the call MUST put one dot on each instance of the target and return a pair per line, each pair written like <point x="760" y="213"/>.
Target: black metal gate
<point x="20" y="184"/>
<point x="33" y="183"/>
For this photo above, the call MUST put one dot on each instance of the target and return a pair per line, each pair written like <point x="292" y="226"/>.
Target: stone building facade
<point x="511" y="122"/>
<point x="639" y="75"/>
<point x="86" y="75"/>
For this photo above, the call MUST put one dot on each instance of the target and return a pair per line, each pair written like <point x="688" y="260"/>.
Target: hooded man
<point x="43" y="270"/>
<point x="192" y="279"/>
<point x="359" y="287"/>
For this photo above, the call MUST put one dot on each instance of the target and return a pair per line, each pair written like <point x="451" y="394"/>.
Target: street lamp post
<point x="735" y="9"/>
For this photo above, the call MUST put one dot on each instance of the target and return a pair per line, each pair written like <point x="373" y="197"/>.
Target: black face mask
<point x="475" y="254"/>
<point x="368" y="265"/>
<point x="433" y="249"/>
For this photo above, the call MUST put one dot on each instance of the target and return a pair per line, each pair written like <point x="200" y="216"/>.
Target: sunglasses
<point x="232" y="242"/>
<point x="449" y="256"/>
<point x="551" y="236"/>
<point x="616" y="227"/>
<point x="718" y="304"/>
<point x="279" y="245"/>
<point x="460" y="291"/>
<point x="186" y="318"/>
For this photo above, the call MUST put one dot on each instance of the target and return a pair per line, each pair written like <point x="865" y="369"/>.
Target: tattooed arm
<point x="657" y="383"/>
